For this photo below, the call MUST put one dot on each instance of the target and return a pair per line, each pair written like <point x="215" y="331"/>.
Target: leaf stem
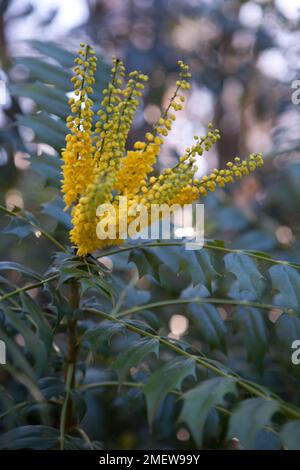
<point x="111" y="383"/>
<point x="200" y="300"/>
<point x="208" y="246"/>
<point x="65" y="407"/>
<point x="37" y="227"/>
<point x="67" y="419"/>
<point x="28" y="287"/>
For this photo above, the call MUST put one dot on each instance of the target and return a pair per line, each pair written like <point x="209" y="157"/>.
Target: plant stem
<point x="65" y="407"/>
<point x="200" y="300"/>
<point x="111" y="383"/>
<point x="67" y="419"/>
<point x="209" y="245"/>
<point x="28" y="287"/>
<point x="72" y="328"/>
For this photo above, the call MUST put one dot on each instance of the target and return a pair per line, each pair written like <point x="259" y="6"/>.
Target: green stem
<point x="111" y="383"/>
<point x="28" y="287"/>
<point x="13" y="302"/>
<point x="65" y="407"/>
<point x="247" y="385"/>
<point x="207" y="246"/>
<point x="17" y="407"/>
<point x="199" y="300"/>
<point x="251" y="254"/>
<point x="29" y="222"/>
<point x="67" y="419"/>
<point x="85" y="437"/>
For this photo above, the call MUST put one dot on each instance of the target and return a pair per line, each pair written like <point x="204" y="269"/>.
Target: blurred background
<point x="244" y="57"/>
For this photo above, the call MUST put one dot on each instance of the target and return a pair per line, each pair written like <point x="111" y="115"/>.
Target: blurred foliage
<point x="210" y="382"/>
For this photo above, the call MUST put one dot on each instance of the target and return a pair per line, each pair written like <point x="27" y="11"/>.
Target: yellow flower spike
<point x="135" y="167"/>
<point x="97" y="169"/>
<point x="116" y="115"/>
<point x="83" y="234"/>
<point x="78" y="155"/>
<point x="222" y="177"/>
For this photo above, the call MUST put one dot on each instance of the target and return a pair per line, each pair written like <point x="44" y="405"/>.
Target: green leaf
<point x="209" y="324"/>
<point x="47" y="73"/>
<point x="30" y="437"/>
<point x="162" y="256"/>
<point x="79" y="405"/>
<point x="205" y="262"/>
<point x="33" y="343"/>
<point x="141" y="325"/>
<point x="267" y="440"/>
<point x="16" y="355"/>
<point x="68" y="272"/>
<point x="199" y="401"/>
<point x="59" y="76"/>
<point x="252" y="325"/>
<point x="48" y="166"/>
<point x="286" y="280"/>
<point x="86" y="283"/>
<point x="287" y="329"/>
<point x="51" y="387"/>
<point x="171" y="281"/>
<point x="134" y="355"/>
<point x="47" y="98"/>
<point x="10" y="266"/>
<point x="150" y="318"/>
<point x="72" y="267"/>
<point x="86" y="280"/>
<point x="55" y="209"/>
<point x="167" y="378"/>
<point x="249" y="280"/>
<point x="18" y="226"/>
<point x="189" y="264"/>
<point x="197" y="264"/>
<point x="8" y="410"/>
<point x="140" y="260"/>
<point x="36" y="316"/>
<point x="50" y="49"/>
<point x="290" y="435"/>
<point x="249" y="417"/>
<point x="97" y="336"/>
<point x="46" y="129"/>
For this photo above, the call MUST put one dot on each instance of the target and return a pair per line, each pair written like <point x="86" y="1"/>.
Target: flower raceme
<point x="97" y="168"/>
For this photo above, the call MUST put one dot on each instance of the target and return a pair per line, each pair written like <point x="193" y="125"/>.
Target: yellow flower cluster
<point x="84" y="218"/>
<point x="78" y="154"/>
<point x="115" y="116"/>
<point x="98" y="169"/>
<point x="237" y="169"/>
<point x="137" y="164"/>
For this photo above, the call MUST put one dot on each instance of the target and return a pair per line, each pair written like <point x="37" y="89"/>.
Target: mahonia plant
<point x="99" y="169"/>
